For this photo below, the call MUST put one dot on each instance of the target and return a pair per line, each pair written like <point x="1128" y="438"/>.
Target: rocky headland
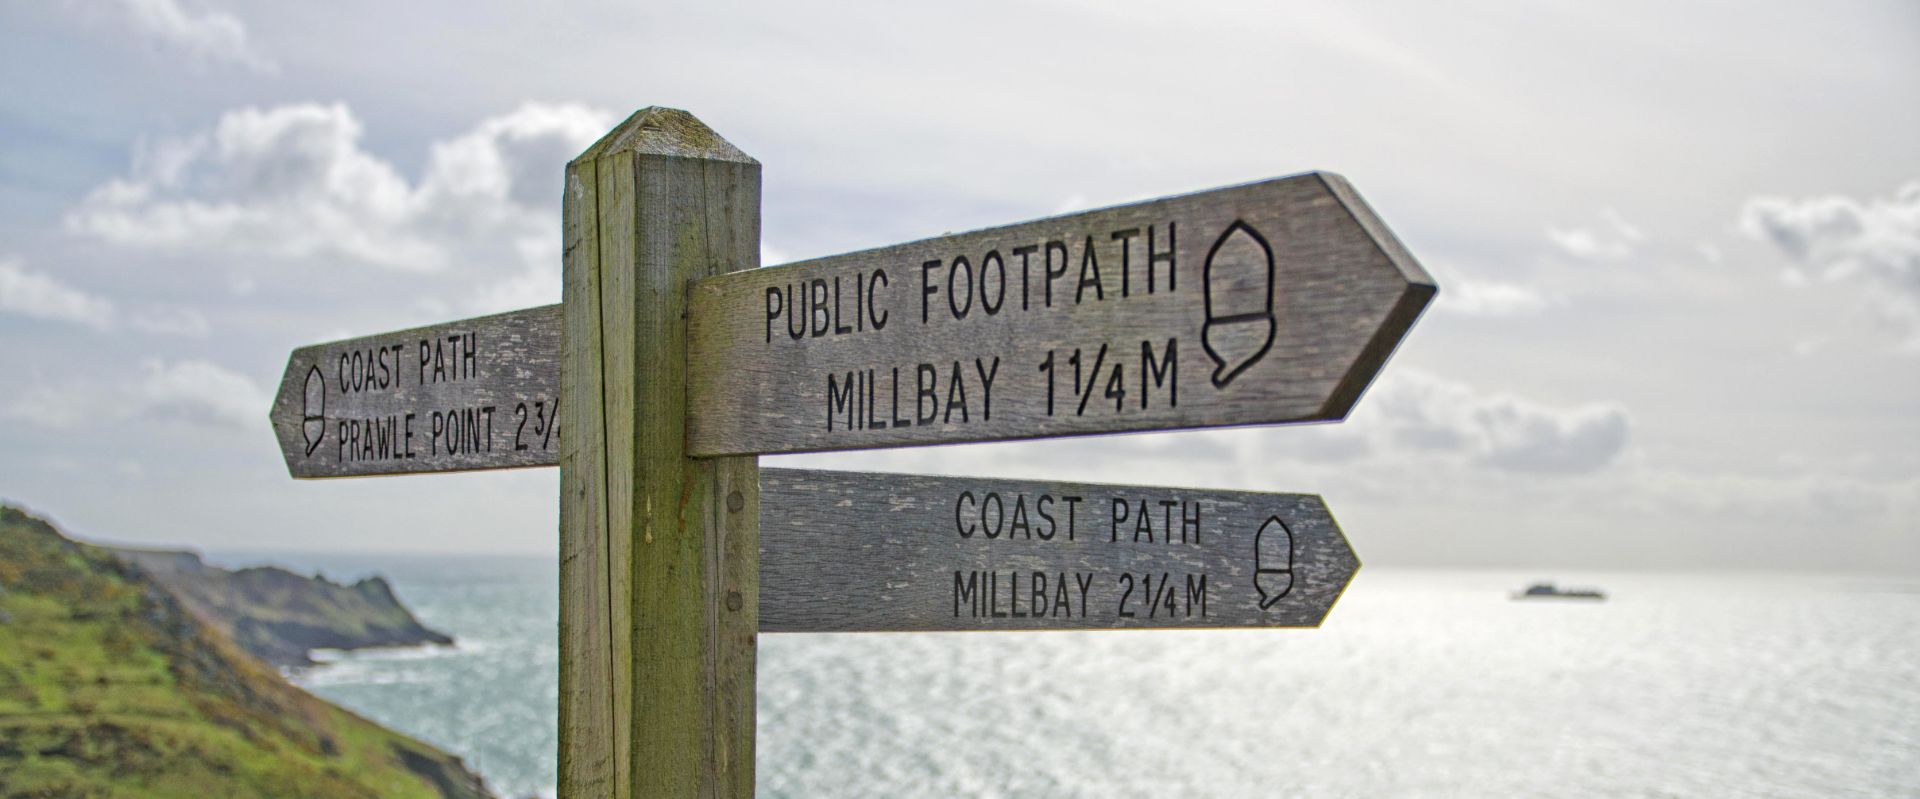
<point x="279" y="616"/>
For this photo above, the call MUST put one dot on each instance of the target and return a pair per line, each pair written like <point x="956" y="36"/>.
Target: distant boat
<point x="1550" y="591"/>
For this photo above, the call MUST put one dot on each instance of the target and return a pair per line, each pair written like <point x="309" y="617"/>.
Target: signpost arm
<point x="660" y="552"/>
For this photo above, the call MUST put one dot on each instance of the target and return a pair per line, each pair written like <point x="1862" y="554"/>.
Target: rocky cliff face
<point x="111" y="687"/>
<point x="279" y="616"/>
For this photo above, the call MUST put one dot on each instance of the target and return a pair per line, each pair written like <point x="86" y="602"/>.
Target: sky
<point x="1678" y="244"/>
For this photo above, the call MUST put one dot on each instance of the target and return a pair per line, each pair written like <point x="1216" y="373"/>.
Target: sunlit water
<point x="1420" y="684"/>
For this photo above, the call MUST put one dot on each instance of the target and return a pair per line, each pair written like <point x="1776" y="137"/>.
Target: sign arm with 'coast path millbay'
<point x="1265" y="303"/>
<point x="859" y="552"/>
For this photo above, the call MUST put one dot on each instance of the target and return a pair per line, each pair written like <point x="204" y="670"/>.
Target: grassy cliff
<point x="109" y="687"/>
<point x="279" y="616"/>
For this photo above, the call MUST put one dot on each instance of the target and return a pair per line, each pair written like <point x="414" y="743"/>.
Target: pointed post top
<point x="671" y="132"/>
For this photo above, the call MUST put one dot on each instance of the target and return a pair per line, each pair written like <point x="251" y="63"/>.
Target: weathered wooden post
<point x="659" y="578"/>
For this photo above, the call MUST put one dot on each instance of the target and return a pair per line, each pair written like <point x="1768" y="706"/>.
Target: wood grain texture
<point x="671" y="201"/>
<point x="473" y="394"/>
<point x="1264" y="303"/>
<point x="587" y="743"/>
<point x="860" y="552"/>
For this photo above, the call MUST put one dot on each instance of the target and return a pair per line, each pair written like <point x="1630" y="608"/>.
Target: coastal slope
<point x="110" y="687"/>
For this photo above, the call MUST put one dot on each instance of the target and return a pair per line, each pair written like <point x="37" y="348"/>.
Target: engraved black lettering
<point x="1065" y="261"/>
<point x="897" y="420"/>
<point x="819" y="316"/>
<point x="838" y="327"/>
<point x="1163" y="372"/>
<point x="1154" y="259"/>
<point x="774" y="304"/>
<point x="796" y="312"/>
<point x="1125" y="237"/>
<point x="874" y="315"/>
<point x="959" y="309"/>
<point x="1089" y="274"/>
<point x="986" y="386"/>
<point x="1013" y="596"/>
<point x="992" y="264"/>
<point x="873" y="422"/>
<point x="956" y="395"/>
<point x="960" y="524"/>
<point x="839" y="400"/>
<point x="926" y="403"/>
<point x="966" y="591"/>
<point x="1025" y="292"/>
<point x="1197" y="592"/>
<point x="928" y="288"/>
<point x="992" y="528"/>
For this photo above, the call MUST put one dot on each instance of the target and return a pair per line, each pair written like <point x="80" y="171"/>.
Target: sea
<point x="1420" y="683"/>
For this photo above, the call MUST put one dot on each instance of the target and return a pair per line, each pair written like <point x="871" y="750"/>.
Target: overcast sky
<point x="1678" y="244"/>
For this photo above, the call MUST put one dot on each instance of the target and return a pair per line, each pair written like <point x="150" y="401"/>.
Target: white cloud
<point x="40" y="296"/>
<point x="210" y="35"/>
<point x="170" y="321"/>
<point x="198" y="392"/>
<point x="192" y="392"/>
<point x="1708" y="251"/>
<point x="1492" y="299"/>
<point x="1616" y="240"/>
<point x="294" y="182"/>
<point x="1413" y="411"/>
<point x="1873" y="244"/>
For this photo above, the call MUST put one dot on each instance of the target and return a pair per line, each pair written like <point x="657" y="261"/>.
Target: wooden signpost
<point x="673" y="361"/>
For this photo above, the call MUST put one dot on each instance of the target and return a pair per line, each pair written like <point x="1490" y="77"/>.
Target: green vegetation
<point x="279" y="616"/>
<point x="109" y="687"/>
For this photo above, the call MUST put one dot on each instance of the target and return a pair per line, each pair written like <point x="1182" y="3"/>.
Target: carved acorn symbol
<point x="1272" y="562"/>
<point x="313" y="420"/>
<point x="1240" y="325"/>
